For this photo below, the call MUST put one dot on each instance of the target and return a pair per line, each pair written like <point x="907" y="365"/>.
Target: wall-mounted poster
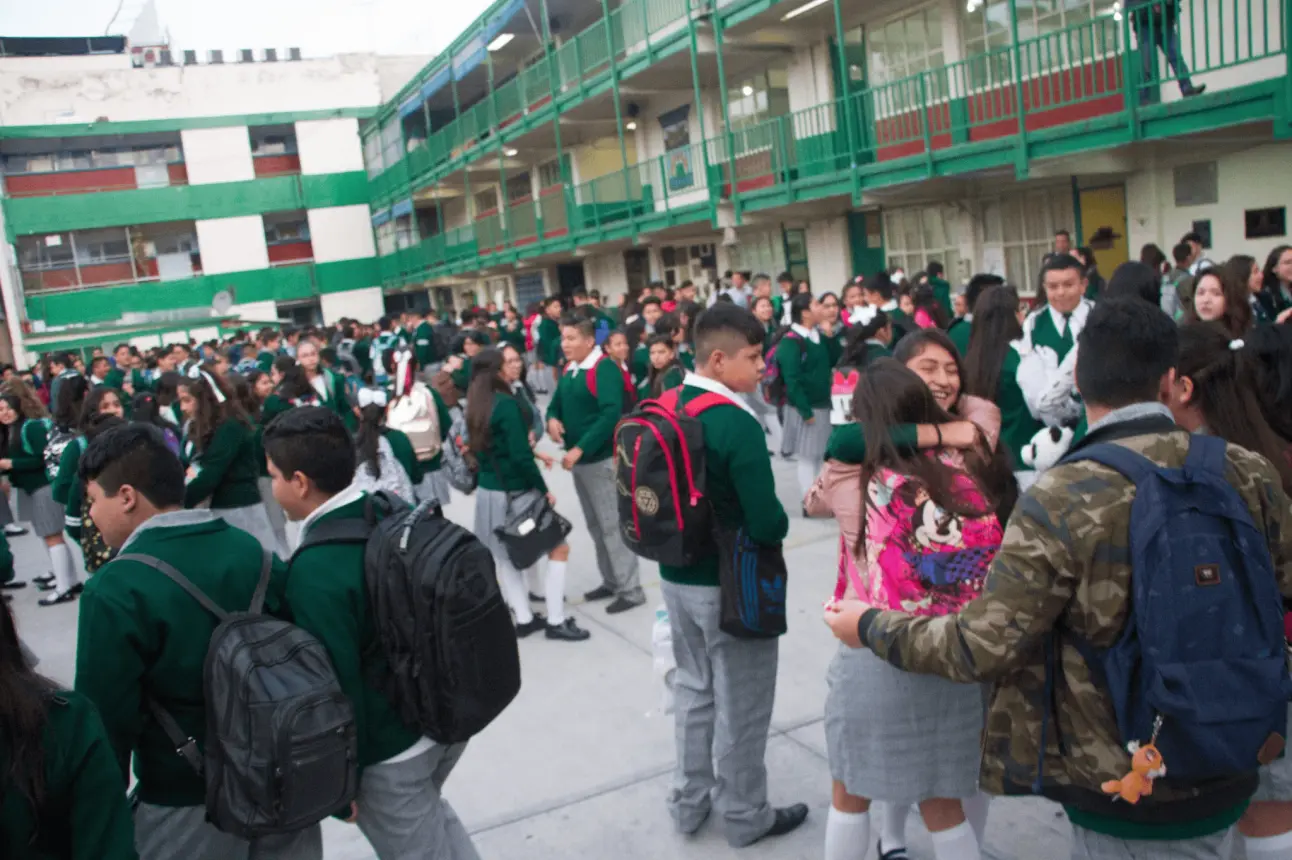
<point x="677" y="147"/>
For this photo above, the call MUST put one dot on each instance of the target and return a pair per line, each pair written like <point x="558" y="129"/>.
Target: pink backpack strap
<point x="591" y="376"/>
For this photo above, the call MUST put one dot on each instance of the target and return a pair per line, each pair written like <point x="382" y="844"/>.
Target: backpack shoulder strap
<point x="1207" y="456"/>
<point x="705" y="402"/>
<point x="179" y="579"/>
<point x="185" y="745"/>
<point x="262" y="587"/>
<point x="348" y="530"/>
<point x="1135" y="467"/>
<point x="669" y="399"/>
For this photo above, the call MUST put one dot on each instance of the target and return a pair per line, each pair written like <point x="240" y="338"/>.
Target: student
<point x="834" y="330"/>
<point x="401" y="775"/>
<point x="59" y="369"/>
<point x="102" y="409"/>
<point x="666" y="372"/>
<point x="510" y="328"/>
<point x="1219" y="296"/>
<point x="960" y="328"/>
<point x="868" y="339"/>
<point x="639" y="332"/>
<point x="124" y="372"/>
<point x="725" y="686"/>
<point x="584" y="424"/>
<point x="499" y="429"/>
<point x="616" y="347"/>
<point x="881" y="292"/>
<point x="379" y="466"/>
<point x="1269" y="360"/>
<point x="941" y="287"/>
<point x="1276" y="283"/>
<point x="329" y="387"/>
<point x="804" y="363"/>
<point x="24" y="462"/>
<point x="270" y="348"/>
<point x="894" y="737"/>
<point x="548" y="341"/>
<point x="99" y="368"/>
<point x="63" y="795"/>
<point x="991" y="371"/>
<point x="928" y="311"/>
<point x="426" y="470"/>
<point x="385" y="340"/>
<point x="1062" y="576"/>
<point x="141" y="638"/>
<point x="219" y="451"/>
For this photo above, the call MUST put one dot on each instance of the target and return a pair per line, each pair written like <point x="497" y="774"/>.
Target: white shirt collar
<point x="695" y="380"/>
<point x="809" y="333"/>
<point x="169" y="519"/>
<point x="589" y="362"/>
<point x="889" y="306"/>
<point x="340" y="500"/>
<point x="1077" y="321"/>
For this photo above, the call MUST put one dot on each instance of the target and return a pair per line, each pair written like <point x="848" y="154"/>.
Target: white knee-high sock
<point x="513" y="591"/>
<point x="60" y="558"/>
<point x="956" y="843"/>
<point x="976" y="809"/>
<point x="1269" y="847"/>
<point x="534" y="578"/>
<point x="79" y="573"/>
<point x="555" y="592"/>
<point x="847" y="835"/>
<point x="807" y="471"/>
<point x="892" y="825"/>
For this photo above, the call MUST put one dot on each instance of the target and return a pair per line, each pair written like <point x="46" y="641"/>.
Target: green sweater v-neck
<point x="805" y="367"/>
<point x="590" y="420"/>
<point x="507" y="463"/>
<point x="227" y="470"/>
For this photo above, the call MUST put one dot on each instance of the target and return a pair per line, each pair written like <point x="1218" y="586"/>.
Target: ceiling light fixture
<point x="747" y="90"/>
<point x="511" y="153"/>
<point x="631" y="126"/>
<point x="501" y="42"/>
<point x="806" y="7"/>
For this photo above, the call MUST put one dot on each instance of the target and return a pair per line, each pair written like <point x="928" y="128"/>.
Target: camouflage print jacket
<point x="1064" y="566"/>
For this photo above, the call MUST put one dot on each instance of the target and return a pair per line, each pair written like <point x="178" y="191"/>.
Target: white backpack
<point x="416" y="417"/>
<point x="394" y="479"/>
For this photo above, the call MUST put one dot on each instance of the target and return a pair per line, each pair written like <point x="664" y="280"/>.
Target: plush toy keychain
<point x="1146" y="766"/>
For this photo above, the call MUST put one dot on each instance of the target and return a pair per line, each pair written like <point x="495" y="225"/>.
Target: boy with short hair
<point x="424" y="346"/>
<point x="725" y="687"/>
<point x="584" y="423"/>
<point x="311" y="459"/>
<point x="269" y="345"/>
<point x="141" y="638"/>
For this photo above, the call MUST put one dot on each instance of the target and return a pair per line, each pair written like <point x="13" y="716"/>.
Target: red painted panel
<point x="108" y="273"/>
<point x="288" y="252"/>
<point x="70" y="182"/>
<point x="178" y="173"/>
<point x="56" y="278"/>
<point x="149" y="269"/>
<point x="539" y="102"/>
<point x="552" y="234"/>
<point x="276" y="165"/>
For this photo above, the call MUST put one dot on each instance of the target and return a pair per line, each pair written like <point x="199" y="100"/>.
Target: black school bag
<point x="282" y="750"/>
<point x="445" y="630"/>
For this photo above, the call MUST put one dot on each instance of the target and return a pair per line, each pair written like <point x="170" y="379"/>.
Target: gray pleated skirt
<point x="435" y="485"/>
<point x="491" y="513"/>
<point x="39" y="508"/>
<point x="254" y="520"/>
<point x="810" y="440"/>
<point x="897" y="736"/>
<point x="1276" y="778"/>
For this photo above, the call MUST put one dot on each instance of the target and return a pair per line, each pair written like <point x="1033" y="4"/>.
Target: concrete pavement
<point x="579" y="765"/>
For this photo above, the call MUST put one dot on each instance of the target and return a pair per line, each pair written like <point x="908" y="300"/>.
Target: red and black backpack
<point x="630" y="393"/>
<point x="659" y="472"/>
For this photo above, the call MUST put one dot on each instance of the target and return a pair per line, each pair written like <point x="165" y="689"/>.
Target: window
<point x="1024" y="225"/>
<point x="760" y="252"/>
<point x="279" y="232"/>
<point x="405" y="232"/>
<point x="698" y="263"/>
<point x="987" y="28"/>
<point x="386" y="238"/>
<point x="519" y="188"/>
<point x="45" y="252"/>
<point x="274" y="144"/>
<point x="102" y="246"/>
<point x="1266" y="223"/>
<point x="759" y="98"/>
<point x="372" y="155"/>
<point x="1196" y="184"/>
<point x="179" y="243"/>
<point x="392" y="143"/>
<point x="486" y="202"/>
<point x="917" y="234"/>
<point x="549" y="174"/>
<point x="905" y="46"/>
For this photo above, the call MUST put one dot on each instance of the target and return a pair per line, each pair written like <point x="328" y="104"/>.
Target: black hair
<point x="135" y="454"/>
<point x="1238" y="307"/>
<point x="923" y="297"/>
<point x="145" y="409"/>
<point x="1269" y="357"/>
<point x="1270" y="279"/>
<point x="581" y="322"/>
<point x="1134" y="279"/>
<point x="1181" y="253"/>
<point x="1061" y="263"/>
<point x="1127" y="346"/>
<point x="801" y="303"/>
<point x="70" y="402"/>
<point x="655" y="378"/>
<point x="855" y="348"/>
<point x="295" y="383"/>
<point x="1192" y="236"/>
<point x="651" y="300"/>
<point x="168" y="387"/>
<point x="977" y="284"/>
<point x="25" y="698"/>
<point x="1064" y="233"/>
<point x="725" y="327"/>
<point x="882" y="283"/>
<point x="995" y="326"/>
<point x="1151" y="255"/>
<point x="100" y="423"/>
<point x="98" y="360"/>
<point x="367" y="442"/>
<point x="93" y="403"/>
<point x="313" y="441"/>
<point x="212" y="411"/>
<point x="934" y="269"/>
<point x="486" y="379"/>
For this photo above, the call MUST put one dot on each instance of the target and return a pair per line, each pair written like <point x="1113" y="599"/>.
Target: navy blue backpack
<point x="1204" y="644"/>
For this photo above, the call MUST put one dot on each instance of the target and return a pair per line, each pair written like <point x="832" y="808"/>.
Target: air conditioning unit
<point x="271" y="55"/>
<point x="215" y="57"/>
<point x="164" y="58"/>
<point x="293" y="53"/>
<point x="190" y="58"/>
<point x="246" y="55"/>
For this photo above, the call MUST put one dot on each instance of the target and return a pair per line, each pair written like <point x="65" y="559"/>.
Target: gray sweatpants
<point x="183" y="833"/>
<point x="595" y="485"/>
<point x="724" y="688"/>
<point x="1089" y="845"/>
<point x="403" y="814"/>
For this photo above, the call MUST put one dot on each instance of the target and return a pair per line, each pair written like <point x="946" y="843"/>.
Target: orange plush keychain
<point x="1146" y="766"/>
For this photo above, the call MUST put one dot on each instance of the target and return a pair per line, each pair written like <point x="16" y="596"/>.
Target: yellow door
<point x="1103" y="226"/>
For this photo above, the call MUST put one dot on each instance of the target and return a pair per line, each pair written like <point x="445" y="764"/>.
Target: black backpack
<point x="445" y="630"/>
<point x="659" y="470"/>
<point x="282" y="751"/>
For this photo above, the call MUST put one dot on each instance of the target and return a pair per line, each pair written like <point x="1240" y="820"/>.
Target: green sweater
<point x="805" y="367"/>
<point x="942" y="292"/>
<point x="265" y="360"/>
<point x="28" y="456"/>
<point x="336" y="398"/>
<point x="87" y="815"/>
<point x="672" y="378"/>
<point x="740" y="485"/>
<point x="140" y="634"/>
<point x="590" y="421"/>
<point x="959" y="333"/>
<point x="227" y="470"/>
<point x="508" y="451"/>
<point x="462" y="376"/>
<point x="549" y="342"/>
<point x="848" y="442"/>
<point x="363" y="355"/>
<point x="1017" y="426"/>
<point x="639" y="364"/>
<point x="513" y="335"/>
<point x="326" y="596"/>
<point x="116" y="378"/>
<point x="402" y="448"/>
<point x="424" y="345"/>
<point x="67" y="486"/>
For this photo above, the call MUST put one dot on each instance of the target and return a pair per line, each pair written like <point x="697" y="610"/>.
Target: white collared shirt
<point x="807" y="333"/>
<point x="889" y="306"/>
<point x="340" y="500"/>
<point x="695" y="380"/>
<point x="1077" y="320"/>
<point x="587" y="363"/>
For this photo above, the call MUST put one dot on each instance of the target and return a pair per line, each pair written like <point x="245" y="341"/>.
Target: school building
<point x="151" y="195"/>
<point x="558" y="144"/>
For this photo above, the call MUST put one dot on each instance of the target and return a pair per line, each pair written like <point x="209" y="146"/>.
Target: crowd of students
<point x="930" y="423"/>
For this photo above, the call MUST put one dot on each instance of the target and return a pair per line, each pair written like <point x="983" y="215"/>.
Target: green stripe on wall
<point x="151" y="126"/>
<point x="28" y="216"/>
<point x="279" y="284"/>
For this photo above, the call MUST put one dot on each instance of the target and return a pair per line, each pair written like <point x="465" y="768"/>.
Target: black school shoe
<point x="535" y="598"/>
<point x="787" y="819"/>
<point x="13" y="586"/>
<point x="623" y="604"/>
<point x="537" y="624"/>
<point x="898" y="853"/>
<point x="60" y="597"/>
<point x="567" y="631"/>
<point x="598" y="593"/>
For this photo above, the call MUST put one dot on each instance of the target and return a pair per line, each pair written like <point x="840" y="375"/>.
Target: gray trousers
<point x="724" y="688"/>
<point x="1088" y="845"/>
<point x="595" y="485"/>
<point x="403" y="814"/>
<point x="183" y="833"/>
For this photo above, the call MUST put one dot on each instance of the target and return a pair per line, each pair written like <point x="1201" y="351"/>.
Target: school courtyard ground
<point x="578" y="766"/>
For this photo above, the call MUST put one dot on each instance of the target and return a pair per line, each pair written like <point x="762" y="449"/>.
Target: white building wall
<point x="608" y="274"/>
<point x="329" y="145"/>
<point x="365" y="304"/>
<point x="232" y="244"/>
<point x="339" y="233"/>
<point x="261" y="312"/>
<point x="829" y="254"/>
<point x="217" y="155"/>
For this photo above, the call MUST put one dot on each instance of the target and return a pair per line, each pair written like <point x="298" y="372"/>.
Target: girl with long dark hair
<point x="422" y="417"/>
<point x="893" y="736"/>
<point x="666" y="371"/>
<point x="803" y="360"/>
<point x="145" y="409"/>
<point x="499" y="434"/>
<point x="62" y="795"/>
<point x="1219" y="296"/>
<point x="102" y="405"/>
<point x="378" y="466"/>
<point x="327" y="386"/>
<point x="927" y="311"/>
<point x="1276" y="286"/>
<point x="1269" y="350"/>
<point x="219" y="450"/>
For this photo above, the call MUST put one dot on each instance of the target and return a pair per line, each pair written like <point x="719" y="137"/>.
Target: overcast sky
<point x="317" y="27"/>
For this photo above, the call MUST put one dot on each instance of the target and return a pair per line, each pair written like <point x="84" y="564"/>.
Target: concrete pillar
<point x="366" y="305"/>
<point x="829" y="254"/>
<point x="217" y="155"/>
<point x="340" y="233"/>
<point x="232" y="244"/>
